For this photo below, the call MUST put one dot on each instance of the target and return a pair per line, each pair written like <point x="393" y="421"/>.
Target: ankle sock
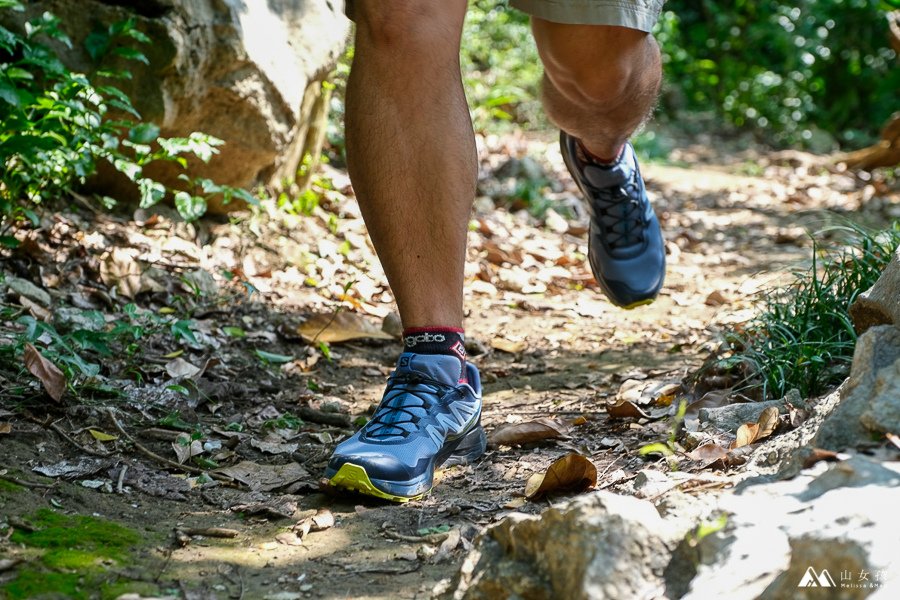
<point x="588" y="156"/>
<point x="450" y="341"/>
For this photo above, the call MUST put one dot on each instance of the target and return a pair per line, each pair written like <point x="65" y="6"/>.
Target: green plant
<point x="667" y="448"/>
<point x="57" y="125"/>
<point x="803" y="337"/>
<point x="809" y="71"/>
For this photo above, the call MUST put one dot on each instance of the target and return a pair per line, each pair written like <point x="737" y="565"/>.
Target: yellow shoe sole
<point x="354" y="478"/>
<point x="638" y="303"/>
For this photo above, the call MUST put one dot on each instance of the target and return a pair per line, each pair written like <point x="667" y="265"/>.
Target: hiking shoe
<point x="429" y="416"/>
<point x="625" y="248"/>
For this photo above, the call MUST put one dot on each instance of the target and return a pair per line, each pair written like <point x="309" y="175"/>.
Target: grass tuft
<point x="803" y="337"/>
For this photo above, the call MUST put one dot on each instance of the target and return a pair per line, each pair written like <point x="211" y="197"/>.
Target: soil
<point x="546" y="341"/>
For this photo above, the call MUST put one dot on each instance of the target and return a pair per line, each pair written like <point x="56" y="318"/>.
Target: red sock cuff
<point x="415" y="330"/>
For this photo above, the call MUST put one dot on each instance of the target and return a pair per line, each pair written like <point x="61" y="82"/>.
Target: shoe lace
<point x="406" y="400"/>
<point x="620" y="213"/>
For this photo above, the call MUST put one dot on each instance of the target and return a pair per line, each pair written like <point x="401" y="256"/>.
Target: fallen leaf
<point x="717" y="298"/>
<point x="182" y="369"/>
<point x="572" y="472"/>
<point x="102" y="437"/>
<point x="289" y="538"/>
<point x="322" y="520"/>
<point x="5" y="428"/>
<point x="746" y="435"/>
<point x="709" y="452"/>
<point x="186" y="448"/>
<point x="768" y="421"/>
<point x="265" y="478"/>
<point x="894" y="439"/>
<point x="333" y="327"/>
<point x="625" y="410"/>
<point x="531" y="431"/>
<point x="818" y="455"/>
<point x="53" y="380"/>
<point x="508" y="346"/>
<point x="274" y="447"/>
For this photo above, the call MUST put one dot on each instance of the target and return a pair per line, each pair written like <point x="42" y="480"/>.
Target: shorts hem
<point x="619" y="14"/>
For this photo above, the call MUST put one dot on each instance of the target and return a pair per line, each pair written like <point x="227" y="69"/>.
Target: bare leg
<point x="411" y="151"/>
<point x="600" y="82"/>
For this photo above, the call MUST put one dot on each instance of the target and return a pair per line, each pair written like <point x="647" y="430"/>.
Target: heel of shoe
<point x="469" y="448"/>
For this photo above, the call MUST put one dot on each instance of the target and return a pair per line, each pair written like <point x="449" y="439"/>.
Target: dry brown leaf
<point x="708" y="453"/>
<point x="333" y="328"/>
<point x="768" y="421"/>
<point x="53" y="380"/>
<point x="532" y="431"/>
<point x="5" y="428"/>
<point x="322" y="520"/>
<point x="508" y="346"/>
<point x="186" y="448"/>
<point x="746" y="435"/>
<point x="572" y="472"/>
<point x="818" y="455"/>
<point x="626" y="409"/>
<point x="894" y="439"/>
<point x="717" y="298"/>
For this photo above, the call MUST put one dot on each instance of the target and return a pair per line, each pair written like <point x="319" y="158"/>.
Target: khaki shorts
<point x="634" y="14"/>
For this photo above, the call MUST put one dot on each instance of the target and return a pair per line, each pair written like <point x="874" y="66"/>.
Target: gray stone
<point x="66" y="318"/>
<point x="880" y="304"/>
<point x="731" y="417"/>
<point x="883" y="413"/>
<point x="24" y="288"/>
<point x="203" y="282"/>
<point x="870" y="391"/>
<point x="597" y="546"/>
<point x="246" y="71"/>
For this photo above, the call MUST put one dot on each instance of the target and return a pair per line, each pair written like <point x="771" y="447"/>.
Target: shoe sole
<point x="462" y="451"/>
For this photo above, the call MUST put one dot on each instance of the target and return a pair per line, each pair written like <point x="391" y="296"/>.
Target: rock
<point x="731" y="417"/>
<point x="597" y="546"/>
<point x="880" y="304"/>
<point x="202" y="281"/>
<point x="73" y="319"/>
<point x="836" y="518"/>
<point x="392" y="325"/>
<point x="26" y="289"/>
<point x="869" y="399"/>
<point x="249" y="73"/>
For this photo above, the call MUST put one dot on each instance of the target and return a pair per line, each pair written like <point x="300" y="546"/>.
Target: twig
<point x="27" y="484"/>
<point x="120" y="483"/>
<point x="324" y="418"/>
<point x="165" y="461"/>
<point x="432" y="538"/>
<point x="213" y="532"/>
<point x="69" y="438"/>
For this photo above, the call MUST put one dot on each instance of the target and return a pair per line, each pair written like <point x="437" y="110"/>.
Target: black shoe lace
<point x="619" y="212"/>
<point x="408" y="397"/>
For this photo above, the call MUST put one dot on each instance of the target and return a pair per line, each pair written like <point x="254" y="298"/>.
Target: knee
<point x="410" y="24"/>
<point x="603" y="66"/>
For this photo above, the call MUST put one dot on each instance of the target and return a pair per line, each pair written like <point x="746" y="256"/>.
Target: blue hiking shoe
<point x="625" y="248"/>
<point x="429" y="416"/>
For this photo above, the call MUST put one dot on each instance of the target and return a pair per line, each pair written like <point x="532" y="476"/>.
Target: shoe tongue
<point x="440" y="367"/>
<point x="602" y="176"/>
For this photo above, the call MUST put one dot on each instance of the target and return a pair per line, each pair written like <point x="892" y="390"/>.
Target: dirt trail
<point x="548" y="348"/>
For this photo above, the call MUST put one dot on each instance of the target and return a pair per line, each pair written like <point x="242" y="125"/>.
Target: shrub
<point x="56" y="125"/>
<point x="803" y="337"/>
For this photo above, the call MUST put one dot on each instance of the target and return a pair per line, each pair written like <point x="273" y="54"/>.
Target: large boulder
<point x="830" y="527"/>
<point x="870" y="400"/>
<point x="247" y="71"/>
<point x="880" y="304"/>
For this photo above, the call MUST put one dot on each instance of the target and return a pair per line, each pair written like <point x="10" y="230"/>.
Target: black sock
<point x="449" y="341"/>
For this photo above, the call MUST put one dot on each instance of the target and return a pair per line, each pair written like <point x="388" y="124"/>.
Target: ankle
<point x="604" y="157"/>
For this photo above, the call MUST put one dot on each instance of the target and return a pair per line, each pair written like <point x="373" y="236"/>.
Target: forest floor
<point x="225" y="382"/>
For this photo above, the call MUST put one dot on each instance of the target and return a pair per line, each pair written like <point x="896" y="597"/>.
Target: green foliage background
<point x="806" y="72"/>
